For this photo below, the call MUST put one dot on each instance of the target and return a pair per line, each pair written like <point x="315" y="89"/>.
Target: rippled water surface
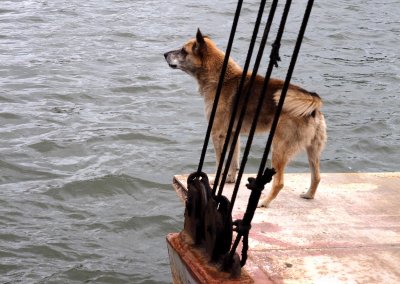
<point x="93" y="123"/>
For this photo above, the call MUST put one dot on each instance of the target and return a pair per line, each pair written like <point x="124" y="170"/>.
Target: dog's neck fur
<point x="206" y="79"/>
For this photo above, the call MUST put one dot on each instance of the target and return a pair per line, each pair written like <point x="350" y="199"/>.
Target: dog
<point x="301" y="125"/>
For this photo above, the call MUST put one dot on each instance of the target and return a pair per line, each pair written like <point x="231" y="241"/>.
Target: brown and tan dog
<point x="301" y="125"/>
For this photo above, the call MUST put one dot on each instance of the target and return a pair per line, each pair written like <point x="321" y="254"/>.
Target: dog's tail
<point x="299" y="103"/>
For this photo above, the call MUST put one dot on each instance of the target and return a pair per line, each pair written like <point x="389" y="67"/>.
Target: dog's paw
<point x="231" y="178"/>
<point x="307" y="195"/>
<point x="263" y="203"/>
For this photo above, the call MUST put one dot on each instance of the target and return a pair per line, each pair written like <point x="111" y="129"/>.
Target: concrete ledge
<point x="350" y="233"/>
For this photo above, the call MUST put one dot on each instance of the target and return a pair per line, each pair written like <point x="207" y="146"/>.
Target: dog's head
<point x="190" y="57"/>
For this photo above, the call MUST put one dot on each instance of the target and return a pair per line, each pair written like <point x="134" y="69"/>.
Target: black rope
<point x="242" y="230"/>
<point x="285" y="87"/>
<point x="274" y="58"/>
<point x="250" y="89"/>
<point x="220" y="84"/>
<point x="257" y="185"/>
<point x="237" y="97"/>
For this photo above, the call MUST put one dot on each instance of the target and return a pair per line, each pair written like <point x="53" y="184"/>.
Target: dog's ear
<point x="199" y="37"/>
<point x="200" y="44"/>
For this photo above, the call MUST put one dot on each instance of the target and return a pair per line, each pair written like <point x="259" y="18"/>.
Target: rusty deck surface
<point x="350" y="233"/>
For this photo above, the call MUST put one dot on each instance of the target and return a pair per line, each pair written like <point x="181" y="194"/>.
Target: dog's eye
<point x="183" y="51"/>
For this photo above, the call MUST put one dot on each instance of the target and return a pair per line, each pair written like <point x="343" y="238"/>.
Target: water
<point x="93" y="123"/>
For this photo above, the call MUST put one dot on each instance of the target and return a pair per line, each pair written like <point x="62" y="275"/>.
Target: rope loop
<point x="201" y="176"/>
<point x="275" y="57"/>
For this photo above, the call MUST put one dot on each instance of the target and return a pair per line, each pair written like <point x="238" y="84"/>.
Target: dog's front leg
<point x="233" y="167"/>
<point x="218" y="141"/>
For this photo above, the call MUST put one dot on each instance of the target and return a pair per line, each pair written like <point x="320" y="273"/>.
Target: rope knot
<point x="243" y="230"/>
<point x="254" y="184"/>
<point x="240" y="228"/>
<point x="259" y="183"/>
<point x="275" y="53"/>
<point x="268" y="174"/>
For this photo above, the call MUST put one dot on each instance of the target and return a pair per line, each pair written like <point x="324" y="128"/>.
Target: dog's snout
<point x="171" y="60"/>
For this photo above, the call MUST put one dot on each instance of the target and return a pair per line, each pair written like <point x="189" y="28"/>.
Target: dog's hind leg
<point x="279" y="161"/>
<point x="314" y="153"/>
<point x="313" y="161"/>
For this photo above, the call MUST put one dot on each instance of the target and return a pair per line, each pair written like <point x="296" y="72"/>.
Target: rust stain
<point x="196" y="264"/>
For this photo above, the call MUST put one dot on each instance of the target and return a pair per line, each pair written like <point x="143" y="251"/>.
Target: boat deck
<point x="350" y="233"/>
